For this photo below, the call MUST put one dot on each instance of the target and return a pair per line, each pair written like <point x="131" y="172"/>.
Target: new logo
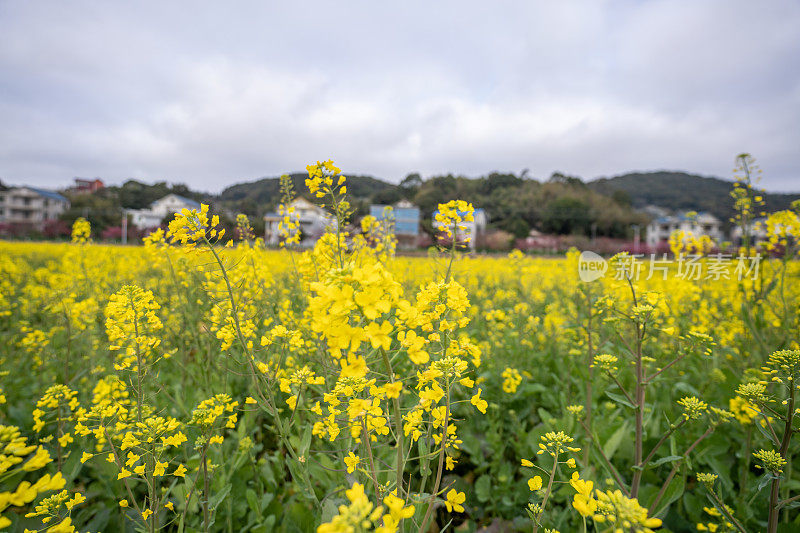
<point x="591" y="266"/>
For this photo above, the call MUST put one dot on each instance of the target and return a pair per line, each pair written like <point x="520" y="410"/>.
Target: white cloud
<point x="211" y="94"/>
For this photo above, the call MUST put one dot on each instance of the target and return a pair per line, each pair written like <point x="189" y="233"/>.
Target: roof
<point x="47" y="194"/>
<point x="699" y="217"/>
<point x="183" y="199"/>
<point x="478" y="211"/>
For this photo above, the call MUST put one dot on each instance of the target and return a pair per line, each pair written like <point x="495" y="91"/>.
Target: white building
<point x="757" y="229"/>
<point x="28" y="205"/>
<point x="160" y="209"/>
<point x="659" y="230"/>
<point x="313" y="222"/>
<point x="471" y="230"/>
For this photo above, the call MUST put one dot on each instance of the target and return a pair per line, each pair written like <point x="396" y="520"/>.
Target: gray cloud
<point x="214" y="94"/>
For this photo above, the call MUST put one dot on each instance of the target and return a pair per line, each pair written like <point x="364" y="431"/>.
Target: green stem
<point x="373" y="474"/>
<point x="443" y="443"/>
<point x="398" y="428"/>
<point x="548" y="491"/>
<point x="774" y="510"/>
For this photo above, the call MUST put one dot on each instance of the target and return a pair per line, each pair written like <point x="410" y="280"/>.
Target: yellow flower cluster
<point x="362" y="515"/>
<point x="511" y="380"/>
<point x="81" y="231"/>
<point x="452" y="216"/>
<point x="209" y="411"/>
<point x="693" y="408"/>
<point x="783" y="229"/>
<point x="743" y="410"/>
<point x="611" y="507"/>
<point x="244" y="231"/>
<point x="131" y="324"/>
<point x="191" y="226"/>
<point x="17" y="458"/>
<point x="325" y="178"/>
<point x="772" y="460"/>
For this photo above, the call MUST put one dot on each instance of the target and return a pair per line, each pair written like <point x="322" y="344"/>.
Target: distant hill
<point x="679" y="191"/>
<point x="266" y="191"/>
<point x="562" y="204"/>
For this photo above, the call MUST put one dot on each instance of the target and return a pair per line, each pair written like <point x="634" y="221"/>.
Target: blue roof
<point x="48" y="194"/>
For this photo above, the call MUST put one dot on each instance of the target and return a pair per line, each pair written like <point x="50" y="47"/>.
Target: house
<point x="660" y="229"/>
<point x="313" y="222"/>
<point x="757" y="229"/>
<point x="160" y="209"/>
<point x="29" y="205"/>
<point x="83" y="186"/>
<point x="272" y="235"/>
<point x="472" y="230"/>
<point x="405" y="216"/>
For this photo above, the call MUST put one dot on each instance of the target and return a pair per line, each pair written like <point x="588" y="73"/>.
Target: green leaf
<point x="252" y="501"/>
<point x="425" y="468"/>
<point x="620" y="399"/>
<point x="220" y="495"/>
<point x="667" y="459"/>
<point x="611" y="445"/>
<point x="765" y="479"/>
<point x="305" y="442"/>
<point x="673" y="492"/>
<point x="330" y="508"/>
<point x="299" y="473"/>
<point x="483" y="488"/>
<point x="764" y="431"/>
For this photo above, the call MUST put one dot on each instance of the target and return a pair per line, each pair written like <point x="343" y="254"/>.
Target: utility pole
<point x="636" y="238"/>
<point x="124" y="227"/>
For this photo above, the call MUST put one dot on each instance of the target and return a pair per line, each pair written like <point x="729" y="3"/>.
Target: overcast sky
<point x="214" y="93"/>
